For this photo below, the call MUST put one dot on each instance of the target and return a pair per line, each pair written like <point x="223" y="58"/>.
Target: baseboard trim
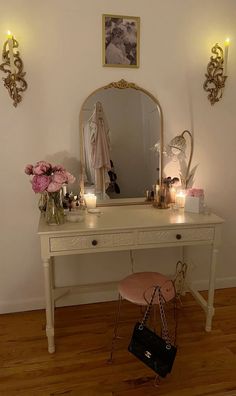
<point x="21" y="305"/>
<point x="86" y="294"/>
<point x="221" y="283"/>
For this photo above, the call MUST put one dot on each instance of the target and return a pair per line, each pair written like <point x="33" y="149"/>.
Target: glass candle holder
<point x="180" y="199"/>
<point x="90" y="201"/>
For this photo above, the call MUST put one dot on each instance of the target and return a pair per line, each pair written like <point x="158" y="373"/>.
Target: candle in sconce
<point x="180" y="199"/>
<point x="226" y="52"/>
<point x="90" y="200"/>
<point x="11" y="53"/>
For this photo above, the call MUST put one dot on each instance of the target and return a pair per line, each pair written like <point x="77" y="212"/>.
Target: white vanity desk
<point x="128" y="228"/>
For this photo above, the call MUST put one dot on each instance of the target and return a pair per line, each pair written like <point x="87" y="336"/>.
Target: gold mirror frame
<point x="121" y="84"/>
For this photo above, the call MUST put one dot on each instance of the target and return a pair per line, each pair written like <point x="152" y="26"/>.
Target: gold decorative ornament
<point x="13" y="66"/>
<point x="121" y="84"/>
<point x="216" y="75"/>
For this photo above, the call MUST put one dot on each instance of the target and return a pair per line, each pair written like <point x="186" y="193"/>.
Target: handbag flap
<point x="152" y="349"/>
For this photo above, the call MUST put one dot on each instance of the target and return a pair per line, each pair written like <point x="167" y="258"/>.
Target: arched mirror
<point x="121" y="143"/>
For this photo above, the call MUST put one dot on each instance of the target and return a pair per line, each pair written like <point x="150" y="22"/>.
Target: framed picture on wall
<point x="120" y="40"/>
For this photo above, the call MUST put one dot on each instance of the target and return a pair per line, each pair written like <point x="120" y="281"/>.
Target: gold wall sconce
<point x="13" y="66"/>
<point x="216" y="73"/>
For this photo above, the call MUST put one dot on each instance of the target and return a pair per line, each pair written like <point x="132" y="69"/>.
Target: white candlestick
<point x="11" y="53"/>
<point x="226" y="52"/>
<point x="64" y="188"/>
<point x="90" y="200"/>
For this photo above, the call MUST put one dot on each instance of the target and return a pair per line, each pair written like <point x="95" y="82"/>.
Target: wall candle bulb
<point x="11" y="54"/>
<point x="226" y="55"/>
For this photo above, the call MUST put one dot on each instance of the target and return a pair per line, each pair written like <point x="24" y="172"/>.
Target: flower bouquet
<point x="48" y="181"/>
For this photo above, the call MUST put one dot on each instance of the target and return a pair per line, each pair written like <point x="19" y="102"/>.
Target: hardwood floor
<point x="205" y="364"/>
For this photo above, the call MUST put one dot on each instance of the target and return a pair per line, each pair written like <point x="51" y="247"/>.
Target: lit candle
<point x="90" y="200"/>
<point x="226" y="55"/>
<point x="180" y="199"/>
<point x="172" y="191"/>
<point x="11" y="53"/>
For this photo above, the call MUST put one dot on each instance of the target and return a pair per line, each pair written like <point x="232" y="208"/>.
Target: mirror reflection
<point x="120" y="130"/>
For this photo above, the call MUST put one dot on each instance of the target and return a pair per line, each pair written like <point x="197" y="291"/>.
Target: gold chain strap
<point x="165" y="331"/>
<point x="148" y="310"/>
<point x="163" y="320"/>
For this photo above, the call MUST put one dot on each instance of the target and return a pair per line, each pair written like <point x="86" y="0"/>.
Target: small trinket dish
<point x="95" y="211"/>
<point x="76" y="216"/>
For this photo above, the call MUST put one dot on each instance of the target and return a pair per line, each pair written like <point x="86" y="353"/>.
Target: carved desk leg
<point x="211" y="290"/>
<point x="49" y="304"/>
<point x="52" y="278"/>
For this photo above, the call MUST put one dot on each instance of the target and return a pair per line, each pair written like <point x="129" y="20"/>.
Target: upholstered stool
<point x="138" y="289"/>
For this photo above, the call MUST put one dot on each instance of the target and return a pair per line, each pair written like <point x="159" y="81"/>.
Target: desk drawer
<point x="172" y="236"/>
<point x="86" y="242"/>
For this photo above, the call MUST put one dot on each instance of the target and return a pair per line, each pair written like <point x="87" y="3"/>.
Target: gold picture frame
<point x="120" y="41"/>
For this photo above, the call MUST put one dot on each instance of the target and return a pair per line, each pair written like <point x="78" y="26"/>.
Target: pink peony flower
<point x="29" y="169"/>
<point x="53" y="187"/>
<point x="41" y="168"/>
<point x="70" y="177"/>
<point x="40" y="183"/>
<point x="47" y="177"/>
<point x="58" y="168"/>
<point x="59" y="177"/>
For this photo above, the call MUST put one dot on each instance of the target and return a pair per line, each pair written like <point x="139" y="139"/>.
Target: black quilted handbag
<point x="154" y="351"/>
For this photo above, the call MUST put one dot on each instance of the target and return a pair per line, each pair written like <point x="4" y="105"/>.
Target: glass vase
<point x="54" y="209"/>
<point x="42" y="204"/>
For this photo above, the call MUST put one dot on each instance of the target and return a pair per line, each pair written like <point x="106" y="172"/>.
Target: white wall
<point x="60" y="42"/>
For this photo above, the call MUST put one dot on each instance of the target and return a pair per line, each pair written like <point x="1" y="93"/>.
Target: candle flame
<point x="181" y="194"/>
<point x="227" y="41"/>
<point x="9" y="34"/>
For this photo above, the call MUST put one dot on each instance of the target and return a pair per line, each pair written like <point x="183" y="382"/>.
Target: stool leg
<point x="115" y="329"/>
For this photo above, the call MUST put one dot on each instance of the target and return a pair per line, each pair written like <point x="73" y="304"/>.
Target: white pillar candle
<point x="180" y="199"/>
<point x="64" y="188"/>
<point x="90" y="200"/>
<point x="11" y="53"/>
<point x="172" y="192"/>
<point x="226" y="52"/>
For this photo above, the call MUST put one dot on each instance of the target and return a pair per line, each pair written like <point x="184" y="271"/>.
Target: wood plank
<point x="205" y="364"/>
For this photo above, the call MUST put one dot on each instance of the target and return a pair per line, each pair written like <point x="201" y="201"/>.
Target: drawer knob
<point x="178" y="236"/>
<point x="94" y="242"/>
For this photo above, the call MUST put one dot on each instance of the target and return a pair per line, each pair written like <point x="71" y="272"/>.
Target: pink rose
<point x="47" y="177"/>
<point x="29" y="169"/>
<point x="59" y="177"/>
<point x="41" y="168"/>
<point x="53" y="187"/>
<point x="70" y="177"/>
<point x="58" y="168"/>
<point x="40" y="183"/>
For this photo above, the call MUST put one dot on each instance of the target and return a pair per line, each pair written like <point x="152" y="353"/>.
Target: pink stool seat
<point x="138" y="287"/>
